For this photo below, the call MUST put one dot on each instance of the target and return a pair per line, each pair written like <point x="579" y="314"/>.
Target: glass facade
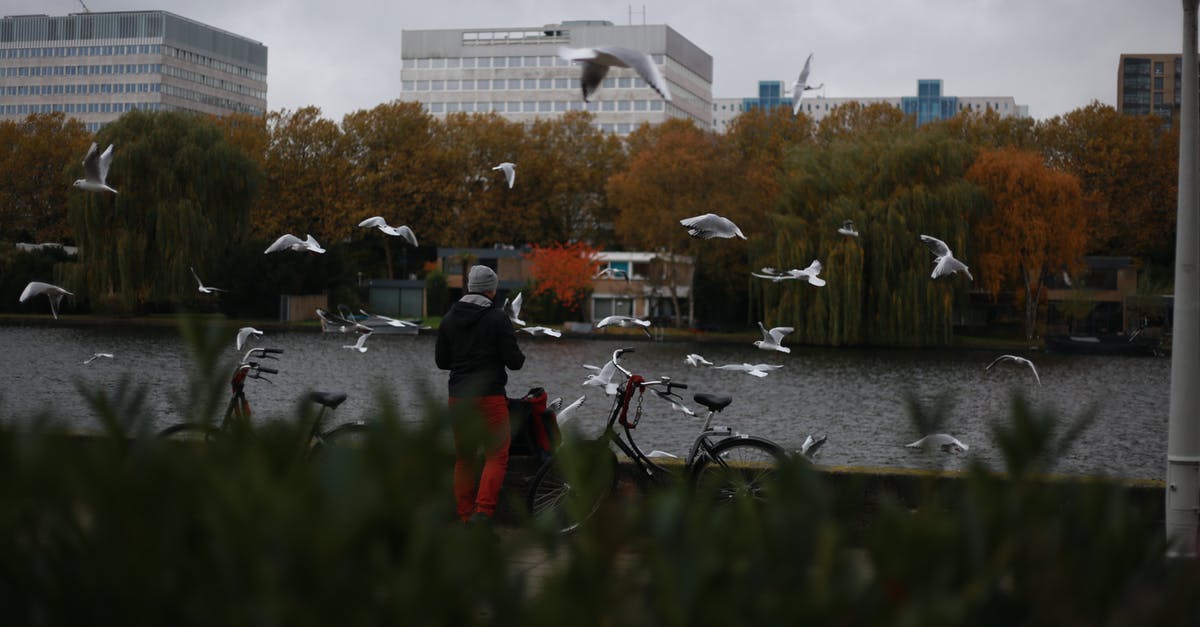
<point x="771" y="95"/>
<point x="1150" y="85"/>
<point x="929" y="105"/>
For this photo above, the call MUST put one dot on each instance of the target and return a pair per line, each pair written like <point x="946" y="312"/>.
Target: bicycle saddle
<point x="714" y="402"/>
<point x="328" y="399"/>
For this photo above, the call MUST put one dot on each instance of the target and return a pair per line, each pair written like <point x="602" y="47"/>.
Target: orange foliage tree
<point x="564" y="271"/>
<point x="1036" y="224"/>
<point x="38" y="158"/>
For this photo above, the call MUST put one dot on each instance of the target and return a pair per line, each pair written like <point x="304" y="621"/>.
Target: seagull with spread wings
<point x="53" y="292"/>
<point x="597" y="60"/>
<point x="395" y="231"/>
<point x="946" y="442"/>
<point x="510" y="172"/>
<point x="710" y="225"/>
<point x="809" y="274"/>
<point x="291" y="242"/>
<point x="801" y="85"/>
<point x="943" y="260"/>
<point x="773" y="338"/>
<point x="756" y="370"/>
<point x="204" y="289"/>
<point x="95" y="170"/>
<point x="625" y="321"/>
<point x="513" y="309"/>
<point x="1020" y="361"/>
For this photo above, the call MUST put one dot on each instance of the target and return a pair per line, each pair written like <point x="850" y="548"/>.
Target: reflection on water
<point x="855" y="396"/>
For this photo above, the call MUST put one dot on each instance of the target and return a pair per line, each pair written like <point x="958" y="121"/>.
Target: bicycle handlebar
<point x="273" y="350"/>
<point x="268" y="370"/>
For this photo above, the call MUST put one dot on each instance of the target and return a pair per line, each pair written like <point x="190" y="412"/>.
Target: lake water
<point x="857" y="397"/>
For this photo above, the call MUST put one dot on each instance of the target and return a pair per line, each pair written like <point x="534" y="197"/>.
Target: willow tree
<point x="895" y="181"/>
<point x="184" y="201"/>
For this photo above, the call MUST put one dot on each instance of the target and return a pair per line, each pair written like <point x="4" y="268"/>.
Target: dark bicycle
<point x="720" y="461"/>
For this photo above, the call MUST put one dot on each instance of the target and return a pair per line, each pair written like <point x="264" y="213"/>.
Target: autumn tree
<point x="563" y="271"/>
<point x="184" y="201"/>
<point x="1128" y="171"/>
<point x="1035" y="225"/>
<point x="38" y="156"/>
<point x="989" y="129"/>
<point x="388" y="149"/>
<point x="674" y="172"/>
<point x="307" y="179"/>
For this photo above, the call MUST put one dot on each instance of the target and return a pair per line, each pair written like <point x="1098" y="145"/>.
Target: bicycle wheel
<point x="738" y="468"/>
<point x="566" y="503"/>
<point x="350" y="435"/>
<point x="189" y="432"/>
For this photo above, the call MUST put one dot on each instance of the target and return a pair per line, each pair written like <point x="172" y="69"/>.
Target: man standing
<point x="476" y="342"/>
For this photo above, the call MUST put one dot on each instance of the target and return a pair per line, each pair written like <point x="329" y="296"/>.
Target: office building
<point x="96" y="66"/>
<point x="517" y="73"/>
<point x="928" y="105"/>
<point x="1150" y="84"/>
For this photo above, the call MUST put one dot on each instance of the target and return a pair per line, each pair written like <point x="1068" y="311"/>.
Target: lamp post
<point x="1183" y="435"/>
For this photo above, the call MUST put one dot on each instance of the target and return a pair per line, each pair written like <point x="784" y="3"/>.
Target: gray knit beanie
<point x="482" y="280"/>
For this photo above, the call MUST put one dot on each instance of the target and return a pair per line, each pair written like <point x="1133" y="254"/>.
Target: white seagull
<point x="567" y="412"/>
<point x="53" y="292"/>
<point x="244" y="333"/>
<point x="95" y="170"/>
<point x="696" y="360"/>
<point x="773" y="338"/>
<point x="536" y="331"/>
<point x="809" y="274"/>
<point x="676" y="402"/>
<point x="848" y="229"/>
<point x="801" y="85"/>
<point x="1021" y="361"/>
<point x="291" y="242"/>
<point x="624" y="321"/>
<point x="944" y="441"/>
<point x="361" y="344"/>
<point x="612" y="273"/>
<point x="513" y="310"/>
<point x="603" y="377"/>
<point x="944" y="261"/>
<point x="97" y="356"/>
<point x="812" y="445"/>
<point x="597" y="60"/>
<point x="757" y="370"/>
<point x="711" y="225"/>
<point x="391" y="322"/>
<point x="395" y="231"/>
<point x="510" y="172"/>
<point x="203" y="289"/>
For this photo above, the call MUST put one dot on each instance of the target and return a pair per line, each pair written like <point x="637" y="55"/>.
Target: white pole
<point x="1183" y="437"/>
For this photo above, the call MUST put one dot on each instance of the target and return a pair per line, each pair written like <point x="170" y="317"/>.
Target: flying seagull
<point x="848" y="229"/>
<point x="291" y="242"/>
<point x="97" y="356"/>
<point x="809" y="274"/>
<point x="1021" y="361"/>
<point x="513" y="310"/>
<point x="566" y="413"/>
<point x="943" y="441"/>
<point x="361" y="344"/>
<point x="603" y="377"/>
<point x="510" y="172"/>
<point x="395" y="231"/>
<point x="696" y="360"/>
<point x="773" y="338"/>
<point x="612" y="273"/>
<point x="757" y="370"/>
<point x="203" y="289"/>
<point x="391" y="322"/>
<point x="53" y="292"/>
<point x="244" y="333"/>
<point x="676" y="402"/>
<point x="711" y="225"/>
<point x="811" y="445"/>
<point x="597" y="60"/>
<point x="625" y="321"/>
<point x="536" y="331"/>
<point x="95" y="170"/>
<point x="801" y="85"/>
<point x="944" y="261"/>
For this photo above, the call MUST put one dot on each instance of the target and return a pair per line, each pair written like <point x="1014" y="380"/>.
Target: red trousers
<point x="474" y="492"/>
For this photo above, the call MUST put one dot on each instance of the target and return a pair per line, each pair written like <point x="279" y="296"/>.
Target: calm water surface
<point x="855" y="396"/>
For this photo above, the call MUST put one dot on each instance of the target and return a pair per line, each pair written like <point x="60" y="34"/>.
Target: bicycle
<point x="237" y="412"/>
<point x="720" y="461"/>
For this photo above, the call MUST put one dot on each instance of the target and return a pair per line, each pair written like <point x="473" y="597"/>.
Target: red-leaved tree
<point x="564" y="271"/>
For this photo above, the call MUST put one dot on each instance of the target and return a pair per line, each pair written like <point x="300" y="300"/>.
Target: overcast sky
<point x="1052" y="55"/>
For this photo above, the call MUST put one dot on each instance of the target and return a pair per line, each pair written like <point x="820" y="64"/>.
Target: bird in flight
<point x="395" y="231"/>
<point x="625" y="321"/>
<point x="847" y="229"/>
<point x="96" y="356"/>
<point x="510" y="172"/>
<point x="204" y="289"/>
<point x="53" y="292"/>
<point x="612" y="273"/>
<point x="757" y="370"/>
<point x="597" y="60"/>
<point x="513" y="309"/>
<point x="711" y="225"/>
<point x="944" y="261"/>
<point x="696" y="360"/>
<point x="536" y="331"/>
<point x="946" y="442"/>
<point x="291" y="242"/>
<point x="244" y="333"/>
<point x="773" y="338"/>
<point x="801" y="85"/>
<point x="360" y="345"/>
<point x="1020" y="361"/>
<point x="809" y="274"/>
<point x="95" y="170"/>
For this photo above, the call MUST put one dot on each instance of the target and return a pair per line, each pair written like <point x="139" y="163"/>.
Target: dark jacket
<point x="476" y="342"/>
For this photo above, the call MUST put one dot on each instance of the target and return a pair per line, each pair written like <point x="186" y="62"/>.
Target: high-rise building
<point x="517" y="73"/>
<point x="1150" y="83"/>
<point x="96" y="66"/>
<point x="927" y="106"/>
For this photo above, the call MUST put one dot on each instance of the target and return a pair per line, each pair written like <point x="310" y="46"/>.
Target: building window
<point x="640" y="105"/>
<point x="602" y="307"/>
<point x="529" y="83"/>
<point x="1158" y="82"/>
<point x="514" y="83"/>
<point x="544" y="106"/>
<point x="560" y="105"/>
<point x="545" y="83"/>
<point x="452" y="85"/>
